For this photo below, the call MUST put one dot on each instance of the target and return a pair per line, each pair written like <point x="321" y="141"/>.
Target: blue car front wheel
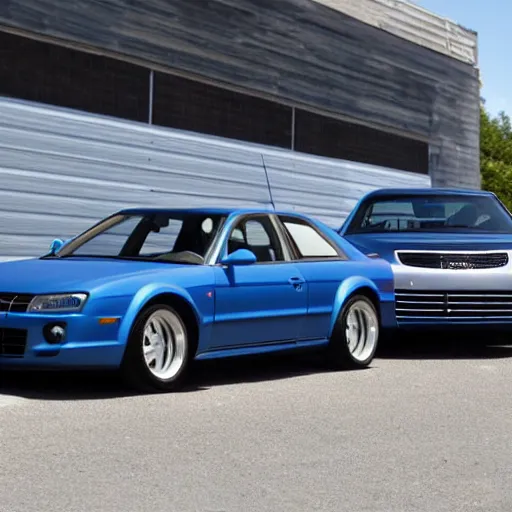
<point x="157" y="355"/>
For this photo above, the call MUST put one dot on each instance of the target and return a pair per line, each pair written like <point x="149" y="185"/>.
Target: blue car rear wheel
<point x="355" y="336"/>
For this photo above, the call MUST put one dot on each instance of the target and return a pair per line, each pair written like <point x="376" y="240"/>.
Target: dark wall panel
<point x="294" y="49"/>
<point x="338" y="139"/>
<point x="51" y="74"/>
<point x="189" y="105"/>
<point x="48" y="73"/>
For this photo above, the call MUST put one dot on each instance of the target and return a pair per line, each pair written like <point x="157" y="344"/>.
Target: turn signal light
<point x="108" y="320"/>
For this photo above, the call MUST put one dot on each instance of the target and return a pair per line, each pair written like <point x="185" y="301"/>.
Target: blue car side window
<point x="258" y="236"/>
<point x="308" y="241"/>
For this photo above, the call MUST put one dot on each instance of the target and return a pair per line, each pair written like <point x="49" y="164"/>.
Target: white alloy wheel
<point x="164" y="344"/>
<point x="355" y="335"/>
<point x="361" y="330"/>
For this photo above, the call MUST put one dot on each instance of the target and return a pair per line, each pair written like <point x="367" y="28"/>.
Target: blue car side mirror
<point x="239" y="257"/>
<point x="56" y="246"/>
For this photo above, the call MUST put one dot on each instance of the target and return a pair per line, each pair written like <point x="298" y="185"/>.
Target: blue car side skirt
<point x="148" y="293"/>
<point x="262" y="348"/>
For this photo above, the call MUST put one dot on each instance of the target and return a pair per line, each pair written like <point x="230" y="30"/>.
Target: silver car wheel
<point x="164" y="344"/>
<point x="362" y="330"/>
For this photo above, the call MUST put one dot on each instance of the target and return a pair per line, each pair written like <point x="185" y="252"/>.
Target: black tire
<point x="136" y="371"/>
<point x="339" y="355"/>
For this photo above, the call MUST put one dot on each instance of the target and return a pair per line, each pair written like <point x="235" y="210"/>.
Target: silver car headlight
<point x="63" y="302"/>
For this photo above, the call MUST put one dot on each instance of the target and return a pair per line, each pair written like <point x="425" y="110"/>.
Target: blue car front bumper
<point x="87" y="342"/>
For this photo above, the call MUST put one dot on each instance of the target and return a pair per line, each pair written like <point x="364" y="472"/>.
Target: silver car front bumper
<point x="470" y="297"/>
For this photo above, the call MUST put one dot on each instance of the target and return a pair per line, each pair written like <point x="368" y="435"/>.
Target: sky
<point x="492" y="20"/>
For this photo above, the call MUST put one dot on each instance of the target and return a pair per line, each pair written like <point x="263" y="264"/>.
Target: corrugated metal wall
<point x="61" y="171"/>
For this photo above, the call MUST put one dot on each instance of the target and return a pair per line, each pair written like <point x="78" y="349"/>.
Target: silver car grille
<point x="453" y="260"/>
<point x="461" y="305"/>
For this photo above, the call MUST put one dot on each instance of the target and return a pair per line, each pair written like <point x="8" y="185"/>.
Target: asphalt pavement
<point x="427" y="428"/>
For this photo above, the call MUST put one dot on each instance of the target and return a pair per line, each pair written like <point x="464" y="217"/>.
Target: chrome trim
<point x="453" y="305"/>
<point x="435" y="280"/>
<point x="455" y="251"/>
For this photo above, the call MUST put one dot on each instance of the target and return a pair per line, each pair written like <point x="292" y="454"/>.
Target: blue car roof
<point x="208" y="211"/>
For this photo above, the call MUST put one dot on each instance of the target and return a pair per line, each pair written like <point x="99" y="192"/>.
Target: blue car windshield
<point x="175" y="237"/>
<point x="432" y="213"/>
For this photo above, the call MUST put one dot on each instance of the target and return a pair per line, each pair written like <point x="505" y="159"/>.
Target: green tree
<point x="496" y="155"/>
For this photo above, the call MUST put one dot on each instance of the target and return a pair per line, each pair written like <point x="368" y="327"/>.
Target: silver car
<point x="450" y="250"/>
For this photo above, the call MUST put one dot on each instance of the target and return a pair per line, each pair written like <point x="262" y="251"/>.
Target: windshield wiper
<point x="99" y="256"/>
<point x="461" y="226"/>
<point x="121" y="258"/>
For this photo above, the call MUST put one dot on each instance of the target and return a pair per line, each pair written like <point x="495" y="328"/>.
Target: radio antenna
<point x="268" y="183"/>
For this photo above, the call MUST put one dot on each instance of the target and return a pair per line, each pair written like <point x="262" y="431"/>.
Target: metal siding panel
<point x="62" y="171"/>
<point x="328" y="188"/>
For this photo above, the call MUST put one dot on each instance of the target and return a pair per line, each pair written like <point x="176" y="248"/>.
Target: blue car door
<point x="261" y="303"/>
<point x="322" y="263"/>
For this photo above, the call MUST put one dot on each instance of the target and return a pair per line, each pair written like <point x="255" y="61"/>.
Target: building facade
<point x="304" y="104"/>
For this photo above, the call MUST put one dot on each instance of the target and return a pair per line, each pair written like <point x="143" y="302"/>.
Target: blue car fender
<point x="345" y="290"/>
<point x="145" y="295"/>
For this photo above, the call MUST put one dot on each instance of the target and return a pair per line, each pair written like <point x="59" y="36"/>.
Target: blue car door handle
<point x="296" y="282"/>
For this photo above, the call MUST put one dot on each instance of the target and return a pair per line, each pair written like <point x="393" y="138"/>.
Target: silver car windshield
<point x="433" y="213"/>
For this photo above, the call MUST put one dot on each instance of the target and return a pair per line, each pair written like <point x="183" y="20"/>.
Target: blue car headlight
<point x="64" y="302"/>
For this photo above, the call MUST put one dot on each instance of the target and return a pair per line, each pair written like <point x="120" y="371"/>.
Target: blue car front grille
<point x="457" y="305"/>
<point x="13" y="342"/>
<point x="453" y="261"/>
<point x="14" y="302"/>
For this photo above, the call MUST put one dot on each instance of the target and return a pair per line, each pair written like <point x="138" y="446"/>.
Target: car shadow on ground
<point x="223" y="372"/>
<point x="90" y="385"/>
<point x="64" y="386"/>
<point x="442" y="346"/>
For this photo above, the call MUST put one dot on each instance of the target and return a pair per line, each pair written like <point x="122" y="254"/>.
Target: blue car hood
<point x="386" y="243"/>
<point x="74" y="274"/>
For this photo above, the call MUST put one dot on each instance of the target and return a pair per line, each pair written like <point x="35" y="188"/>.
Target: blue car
<point x="147" y="291"/>
<point x="450" y="251"/>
